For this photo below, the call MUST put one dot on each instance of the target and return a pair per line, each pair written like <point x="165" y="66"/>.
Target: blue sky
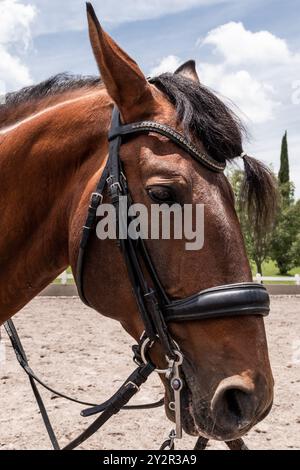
<point x="246" y="50"/>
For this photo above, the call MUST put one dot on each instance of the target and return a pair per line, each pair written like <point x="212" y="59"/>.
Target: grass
<point x="270" y="269"/>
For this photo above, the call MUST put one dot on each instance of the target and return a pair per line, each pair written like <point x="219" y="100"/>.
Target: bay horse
<point x="53" y="150"/>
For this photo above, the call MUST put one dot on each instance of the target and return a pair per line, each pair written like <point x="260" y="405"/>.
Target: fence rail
<point x="259" y="278"/>
<point x="65" y="277"/>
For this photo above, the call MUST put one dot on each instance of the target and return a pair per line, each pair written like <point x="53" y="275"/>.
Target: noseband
<point x="156" y="308"/>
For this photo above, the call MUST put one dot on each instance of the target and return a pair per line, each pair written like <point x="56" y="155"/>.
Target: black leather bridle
<point x="157" y="310"/>
<point x="155" y="306"/>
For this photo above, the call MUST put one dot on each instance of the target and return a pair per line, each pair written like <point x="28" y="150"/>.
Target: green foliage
<point x="257" y="242"/>
<point x="284" y="241"/>
<point x="285" y="235"/>
<point x="281" y="243"/>
<point x="295" y="250"/>
<point x="270" y="268"/>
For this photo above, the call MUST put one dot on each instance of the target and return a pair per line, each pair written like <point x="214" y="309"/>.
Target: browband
<point x="176" y="137"/>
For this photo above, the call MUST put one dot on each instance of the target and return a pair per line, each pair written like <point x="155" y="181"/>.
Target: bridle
<point x="156" y="309"/>
<point x="155" y="306"/>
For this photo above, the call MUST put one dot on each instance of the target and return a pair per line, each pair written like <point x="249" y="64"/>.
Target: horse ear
<point x="125" y="82"/>
<point x="188" y="70"/>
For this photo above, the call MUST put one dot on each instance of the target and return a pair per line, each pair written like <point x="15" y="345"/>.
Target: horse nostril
<point x="233" y="405"/>
<point x="236" y="402"/>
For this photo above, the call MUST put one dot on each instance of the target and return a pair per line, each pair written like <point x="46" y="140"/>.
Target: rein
<point x="155" y="307"/>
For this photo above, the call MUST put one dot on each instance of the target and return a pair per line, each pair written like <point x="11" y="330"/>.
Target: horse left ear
<point x="125" y="82"/>
<point x="188" y="70"/>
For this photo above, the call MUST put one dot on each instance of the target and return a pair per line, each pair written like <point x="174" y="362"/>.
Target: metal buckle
<point x="112" y="184"/>
<point x="97" y="195"/>
<point x="134" y="385"/>
<point x="117" y="184"/>
<point x="169" y="444"/>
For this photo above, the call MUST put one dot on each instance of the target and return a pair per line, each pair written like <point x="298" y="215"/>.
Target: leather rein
<point x="155" y="307"/>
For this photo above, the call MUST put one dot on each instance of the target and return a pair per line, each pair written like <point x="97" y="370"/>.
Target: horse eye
<point x="161" y="194"/>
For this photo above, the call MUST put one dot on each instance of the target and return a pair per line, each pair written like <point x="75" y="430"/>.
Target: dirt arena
<point x="83" y="354"/>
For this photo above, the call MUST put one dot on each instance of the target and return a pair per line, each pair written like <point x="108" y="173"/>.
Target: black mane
<point x="55" y="85"/>
<point x="203" y="115"/>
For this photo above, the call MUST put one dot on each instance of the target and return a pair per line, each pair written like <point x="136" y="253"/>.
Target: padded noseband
<point x="222" y="301"/>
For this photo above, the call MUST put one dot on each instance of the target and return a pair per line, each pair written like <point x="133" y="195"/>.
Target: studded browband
<point x="179" y="139"/>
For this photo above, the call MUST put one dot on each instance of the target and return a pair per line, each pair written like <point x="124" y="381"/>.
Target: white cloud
<point x="249" y="68"/>
<point x="238" y="46"/>
<point x="167" y="64"/>
<point x="16" y="20"/>
<point x="254" y="99"/>
<point x="13" y="73"/>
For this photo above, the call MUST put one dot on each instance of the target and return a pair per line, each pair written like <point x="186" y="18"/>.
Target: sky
<point x="247" y="51"/>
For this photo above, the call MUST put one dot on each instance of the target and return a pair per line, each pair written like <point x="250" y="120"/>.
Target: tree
<point x="284" y="172"/>
<point x="284" y="241"/>
<point x="296" y="250"/>
<point x="288" y="222"/>
<point x="258" y="244"/>
<point x="285" y="186"/>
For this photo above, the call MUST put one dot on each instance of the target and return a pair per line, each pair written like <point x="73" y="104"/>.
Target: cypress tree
<point x="284" y="172"/>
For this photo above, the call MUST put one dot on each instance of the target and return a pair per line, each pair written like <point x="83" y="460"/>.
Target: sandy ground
<point x="83" y="354"/>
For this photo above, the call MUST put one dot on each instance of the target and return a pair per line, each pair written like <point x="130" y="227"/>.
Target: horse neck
<point x="48" y="166"/>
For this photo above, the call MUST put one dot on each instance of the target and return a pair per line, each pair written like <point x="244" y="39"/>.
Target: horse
<point x="54" y="149"/>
